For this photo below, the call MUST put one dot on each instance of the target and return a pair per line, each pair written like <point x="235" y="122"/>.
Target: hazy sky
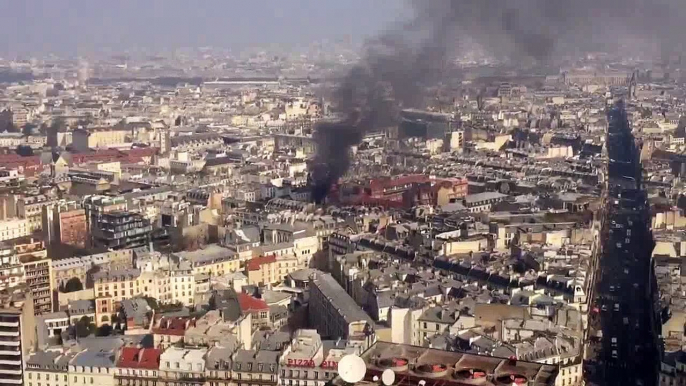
<point x="67" y="26"/>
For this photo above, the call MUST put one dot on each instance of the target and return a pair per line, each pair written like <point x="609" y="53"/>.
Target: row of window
<point x="116" y="293"/>
<point x="89" y="369"/>
<point x="305" y="374"/>
<point x="47" y="376"/>
<point x="145" y="373"/>
<point x="85" y="381"/>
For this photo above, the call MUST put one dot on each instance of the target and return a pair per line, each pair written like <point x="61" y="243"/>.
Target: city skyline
<point x="41" y="26"/>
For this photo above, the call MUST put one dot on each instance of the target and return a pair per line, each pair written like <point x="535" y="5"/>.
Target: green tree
<point x="84" y="327"/>
<point x="104" y="330"/>
<point x="24" y="151"/>
<point x="74" y="284"/>
<point x="171" y="307"/>
<point x="28" y="129"/>
<point x="6" y="120"/>
<point x="152" y="302"/>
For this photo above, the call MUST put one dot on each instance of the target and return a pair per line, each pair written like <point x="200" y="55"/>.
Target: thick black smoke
<point x="406" y="58"/>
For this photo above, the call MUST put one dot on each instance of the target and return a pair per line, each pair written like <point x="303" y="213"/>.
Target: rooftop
<point x="249" y="303"/>
<point x="207" y="255"/>
<point x="139" y="358"/>
<point x="437" y="367"/>
<point x="350" y="311"/>
<point x="94" y="358"/>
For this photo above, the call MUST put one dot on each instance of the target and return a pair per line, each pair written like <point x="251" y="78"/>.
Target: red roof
<point x="110" y="155"/>
<point x="171" y="326"/>
<point x="249" y="303"/>
<point x="256" y="263"/>
<point x="137" y="155"/>
<point x="141" y="151"/>
<point x="106" y="155"/>
<point x="384" y="183"/>
<point x="17" y="157"/>
<point x="139" y="358"/>
<point x="13" y="161"/>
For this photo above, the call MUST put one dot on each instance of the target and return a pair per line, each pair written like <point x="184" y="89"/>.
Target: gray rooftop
<point x="136" y="308"/>
<point x="303" y="274"/>
<point x="80" y="307"/>
<point x="219" y="357"/>
<point x="127" y="273"/>
<point x="485" y="196"/>
<point x="94" y="358"/>
<point x="209" y="254"/>
<point x="347" y="307"/>
<point x="256" y="361"/>
<point x="49" y="360"/>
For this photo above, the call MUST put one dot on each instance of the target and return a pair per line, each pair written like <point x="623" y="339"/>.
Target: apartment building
<point x="96" y="206"/>
<point x="257" y="308"/>
<point x="221" y="327"/>
<point x="11" y="269"/>
<point x="111" y="287"/>
<point x="308" y="360"/>
<point x="80" y="267"/>
<point x="137" y="366"/>
<point x="256" y="367"/>
<point x="182" y="284"/>
<point x="25" y="261"/>
<point x="673" y="369"/>
<point x="50" y="327"/>
<point x="196" y="142"/>
<point x="31" y="209"/>
<point x="170" y="330"/>
<point x="92" y="367"/>
<point x="18" y="327"/>
<point x="93" y="138"/>
<point x="218" y="365"/>
<point x="38" y="277"/>
<point x="482" y="202"/>
<point x="14" y="228"/>
<point x="157" y="284"/>
<point x="121" y="230"/>
<point x="335" y="314"/>
<point x="65" y="223"/>
<point x="213" y="260"/>
<point x="47" y="367"/>
<point x="182" y="366"/>
<point x="267" y="270"/>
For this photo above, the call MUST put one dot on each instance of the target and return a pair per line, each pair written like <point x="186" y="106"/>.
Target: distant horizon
<point x="42" y="27"/>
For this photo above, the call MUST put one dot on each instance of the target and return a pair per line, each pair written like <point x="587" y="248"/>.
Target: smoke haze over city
<point x="410" y="54"/>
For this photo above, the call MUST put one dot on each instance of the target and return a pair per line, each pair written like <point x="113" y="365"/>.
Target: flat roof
<point x="210" y="253"/>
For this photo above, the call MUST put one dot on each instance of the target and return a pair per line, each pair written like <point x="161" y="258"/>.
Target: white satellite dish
<point x="388" y="377"/>
<point x="352" y="368"/>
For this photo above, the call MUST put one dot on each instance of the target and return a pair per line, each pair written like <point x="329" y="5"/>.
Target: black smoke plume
<point x="411" y="55"/>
